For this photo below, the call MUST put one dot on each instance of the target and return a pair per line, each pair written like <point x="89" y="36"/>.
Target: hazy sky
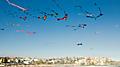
<point x="52" y="38"/>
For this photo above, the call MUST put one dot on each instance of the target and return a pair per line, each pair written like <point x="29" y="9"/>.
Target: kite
<point x="15" y="5"/>
<point x="65" y="14"/>
<point x="27" y="32"/>
<point x="79" y="44"/>
<point x="76" y="27"/>
<point x="24" y="18"/>
<point x="2" y="29"/>
<point x="100" y="14"/>
<point x="30" y="33"/>
<point x="91" y="15"/>
<point x="38" y="17"/>
<point x="45" y="15"/>
<point x="82" y="25"/>
<point x="56" y="14"/>
<point x="63" y="18"/>
<point x="20" y="30"/>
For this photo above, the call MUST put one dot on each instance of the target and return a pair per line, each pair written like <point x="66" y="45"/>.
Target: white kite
<point x="23" y="9"/>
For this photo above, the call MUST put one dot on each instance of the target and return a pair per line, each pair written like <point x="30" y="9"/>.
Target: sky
<point x="101" y="37"/>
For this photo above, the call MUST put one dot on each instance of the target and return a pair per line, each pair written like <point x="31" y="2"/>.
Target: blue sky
<point x="52" y="38"/>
